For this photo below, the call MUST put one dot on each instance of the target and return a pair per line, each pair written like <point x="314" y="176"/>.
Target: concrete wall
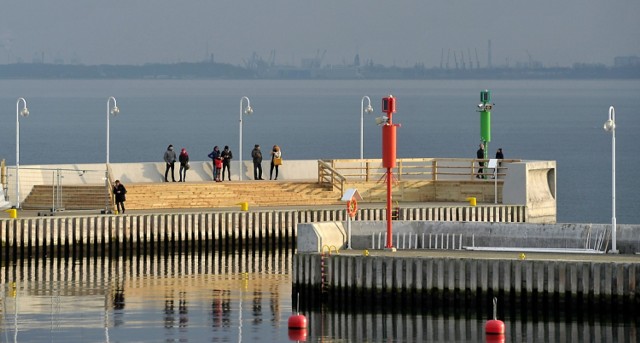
<point x="397" y="275"/>
<point x="532" y="183"/>
<point x="202" y="171"/>
<point x="94" y="173"/>
<point x="498" y="235"/>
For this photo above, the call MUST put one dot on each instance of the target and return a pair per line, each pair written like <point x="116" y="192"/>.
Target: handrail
<point x="332" y="177"/>
<point x="435" y="169"/>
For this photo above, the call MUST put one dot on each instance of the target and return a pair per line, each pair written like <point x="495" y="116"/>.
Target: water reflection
<point x="189" y="297"/>
<point x="246" y="296"/>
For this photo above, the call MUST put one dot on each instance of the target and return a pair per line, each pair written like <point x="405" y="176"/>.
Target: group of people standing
<point x="221" y="163"/>
<point x="480" y="156"/>
<point x="276" y="162"/>
<point x="170" y="160"/>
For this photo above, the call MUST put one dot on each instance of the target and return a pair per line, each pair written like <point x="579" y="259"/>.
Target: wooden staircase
<point x="84" y="197"/>
<point x="227" y="194"/>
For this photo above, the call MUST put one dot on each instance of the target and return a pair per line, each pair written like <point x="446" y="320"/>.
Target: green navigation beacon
<point x="484" y="108"/>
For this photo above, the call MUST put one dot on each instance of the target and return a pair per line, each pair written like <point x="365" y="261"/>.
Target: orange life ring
<point x="352" y="207"/>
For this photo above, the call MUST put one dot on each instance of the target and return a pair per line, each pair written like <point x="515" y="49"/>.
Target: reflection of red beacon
<point x="388" y="154"/>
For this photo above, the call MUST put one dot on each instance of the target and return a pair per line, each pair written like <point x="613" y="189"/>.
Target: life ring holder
<point x="352" y="207"/>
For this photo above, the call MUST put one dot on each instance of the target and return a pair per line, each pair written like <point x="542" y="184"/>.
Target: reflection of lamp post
<point x="610" y="126"/>
<point x="245" y="110"/>
<point x="369" y="109"/>
<point x="24" y="113"/>
<point x="114" y="111"/>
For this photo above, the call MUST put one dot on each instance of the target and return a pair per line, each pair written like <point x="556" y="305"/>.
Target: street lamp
<point x="610" y="126"/>
<point x="113" y="111"/>
<point x="369" y="109"/>
<point x="24" y="113"/>
<point x="243" y="110"/>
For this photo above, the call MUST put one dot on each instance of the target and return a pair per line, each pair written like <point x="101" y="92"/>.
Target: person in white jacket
<point x="276" y="161"/>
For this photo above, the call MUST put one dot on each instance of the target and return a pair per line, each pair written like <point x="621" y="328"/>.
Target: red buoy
<point x="297" y="321"/>
<point x="298" y="335"/>
<point x="495" y="327"/>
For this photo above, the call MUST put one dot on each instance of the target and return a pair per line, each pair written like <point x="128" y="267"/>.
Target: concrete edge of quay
<point x="414" y="275"/>
<point x="323" y="263"/>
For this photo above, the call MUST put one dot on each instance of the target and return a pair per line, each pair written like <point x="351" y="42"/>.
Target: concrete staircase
<point x="84" y="197"/>
<point x="227" y="194"/>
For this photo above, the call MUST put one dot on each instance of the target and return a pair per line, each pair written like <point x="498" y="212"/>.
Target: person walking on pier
<point x="480" y="156"/>
<point x="256" y="154"/>
<point x="119" y="193"/>
<point x="226" y="162"/>
<point x="499" y="154"/>
<point x="217" y="163"/>
<point x="170" y="160"/>
<point x="276" y="160"/>
<point x="184" y="165"/>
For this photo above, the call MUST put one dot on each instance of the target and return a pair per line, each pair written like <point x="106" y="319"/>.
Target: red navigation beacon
<point x="389" y="105"/>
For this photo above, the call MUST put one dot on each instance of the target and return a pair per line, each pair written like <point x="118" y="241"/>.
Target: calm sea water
<point x="246" y="297"/>
<point x="546" y="120"/>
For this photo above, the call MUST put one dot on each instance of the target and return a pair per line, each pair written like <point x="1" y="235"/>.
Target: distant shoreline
<point x="211" y="70"/>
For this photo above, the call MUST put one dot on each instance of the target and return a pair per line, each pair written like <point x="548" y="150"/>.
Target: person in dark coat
<point x="170" y="160"/>
<point x="226" y="155"/>
<point x="119" y="192"/>
<point x="480" y="156"/>
<point x="184" y="164"/>
<point x="256" y="154"/>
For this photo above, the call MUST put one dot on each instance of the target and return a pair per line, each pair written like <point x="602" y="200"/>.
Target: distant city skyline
<point x="288" y="32"/>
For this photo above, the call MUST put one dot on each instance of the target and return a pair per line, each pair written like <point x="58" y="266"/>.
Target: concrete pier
<point x="78" y="235"/>
<point x="426" y="274"/>
<point x="520" y="260"/>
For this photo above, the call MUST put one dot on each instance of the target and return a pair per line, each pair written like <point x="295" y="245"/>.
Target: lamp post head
<point x="24" y="112"/>
<point x="369" y="109"/>
<point x="115" y="111"/>
<point x="609" y="125"/>
<point x="248" y="110"/>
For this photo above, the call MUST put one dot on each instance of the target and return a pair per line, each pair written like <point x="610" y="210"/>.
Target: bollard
<point x="244" y="206"/>
<point x="472" y="201"/>
<point x="13" y="213"/>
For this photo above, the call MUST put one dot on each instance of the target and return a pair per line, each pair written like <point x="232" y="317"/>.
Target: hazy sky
<point x="401" y="32"/>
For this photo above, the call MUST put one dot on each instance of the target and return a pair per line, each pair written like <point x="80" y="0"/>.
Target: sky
<point x="401" y="32"/>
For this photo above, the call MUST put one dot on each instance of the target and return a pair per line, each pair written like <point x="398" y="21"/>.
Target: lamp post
<point x="113" y="111"/>
<point x="369" y="109"/>
<point x="610" y="126"/>
<point x="243" y="110"/>
<point x="24" y="113"/>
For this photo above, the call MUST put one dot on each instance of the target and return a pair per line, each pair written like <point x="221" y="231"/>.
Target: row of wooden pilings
<point x="350" y="276"/>
<point x="95" y="235"/>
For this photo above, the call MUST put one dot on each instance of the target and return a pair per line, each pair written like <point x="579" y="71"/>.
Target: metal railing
<point x="417" y="169"/>
<point x="328" y="175"/>
<point x="58" y="182"/>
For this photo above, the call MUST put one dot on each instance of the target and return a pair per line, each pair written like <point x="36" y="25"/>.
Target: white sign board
<point x="351" y="194"/>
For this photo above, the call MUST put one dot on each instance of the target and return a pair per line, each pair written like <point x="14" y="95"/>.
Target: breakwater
<point x="114" y="234"/>
<point x="424" y="275"/>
